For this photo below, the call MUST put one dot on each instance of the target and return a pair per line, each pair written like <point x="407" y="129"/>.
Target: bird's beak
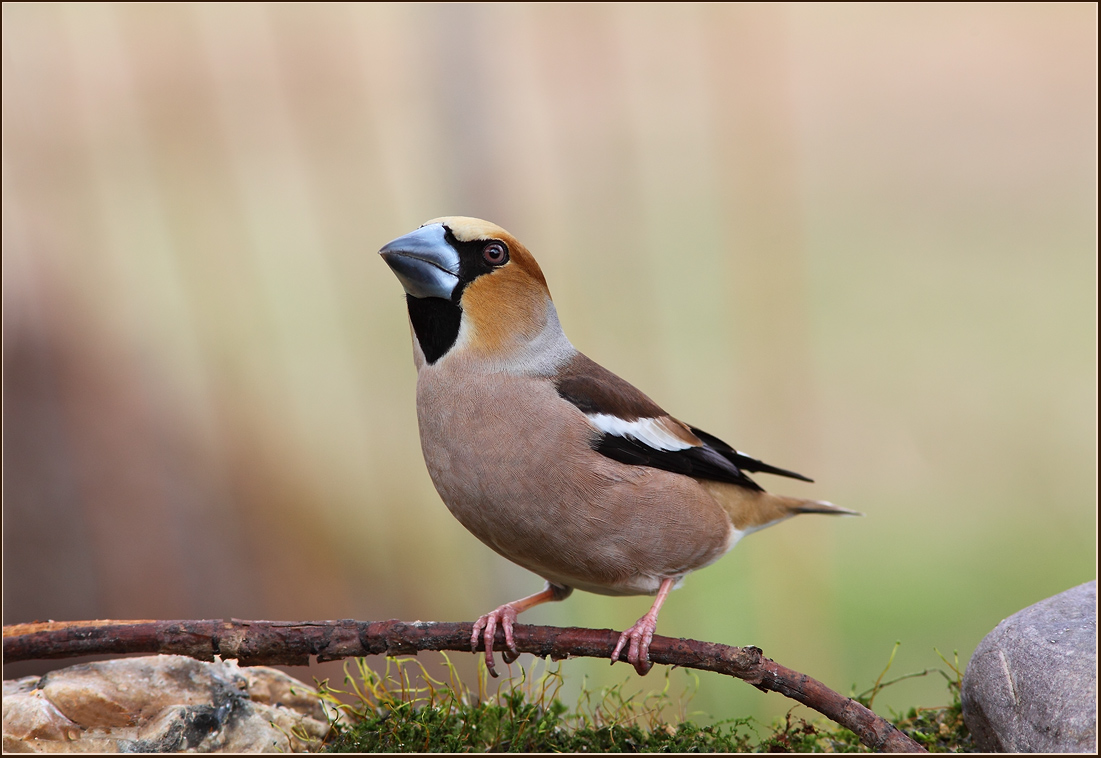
<point x="424" y="262"/>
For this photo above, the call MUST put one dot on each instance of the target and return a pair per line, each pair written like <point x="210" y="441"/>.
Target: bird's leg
<point x="638" y="654"/>
<point x="506" y="616"/>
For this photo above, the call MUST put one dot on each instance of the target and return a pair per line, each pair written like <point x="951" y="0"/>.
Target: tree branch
<point x="292" y="643"/>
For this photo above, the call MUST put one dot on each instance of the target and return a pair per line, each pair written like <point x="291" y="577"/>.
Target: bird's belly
<point x="529" y="485"/>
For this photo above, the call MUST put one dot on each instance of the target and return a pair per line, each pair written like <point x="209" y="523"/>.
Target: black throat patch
<point x="436" y="324"/>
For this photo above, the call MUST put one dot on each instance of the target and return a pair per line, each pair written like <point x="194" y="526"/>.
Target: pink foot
<point x="486" y="626"/>
<point x="506" y="617"/>
<point x="639" y="635"/>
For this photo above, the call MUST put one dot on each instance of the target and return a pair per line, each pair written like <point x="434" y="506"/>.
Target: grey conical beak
<point x="424" y="262"/>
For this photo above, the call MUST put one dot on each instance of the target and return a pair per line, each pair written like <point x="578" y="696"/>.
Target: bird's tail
<point x="817" y="506"/>
<point x="755" y="509"/>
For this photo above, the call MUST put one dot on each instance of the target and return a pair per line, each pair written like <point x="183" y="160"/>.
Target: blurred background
<point x="858" y="241"/>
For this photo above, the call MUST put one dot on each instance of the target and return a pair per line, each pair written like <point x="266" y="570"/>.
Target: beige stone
<point x="273" y="687"/>
<point x="30" y="715"/>
<point x="162" y="704"/>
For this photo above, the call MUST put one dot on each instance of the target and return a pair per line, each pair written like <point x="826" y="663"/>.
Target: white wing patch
<point x="648" y="431"/>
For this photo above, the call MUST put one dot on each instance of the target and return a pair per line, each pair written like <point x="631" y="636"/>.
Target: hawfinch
<point x="549" y="458"/>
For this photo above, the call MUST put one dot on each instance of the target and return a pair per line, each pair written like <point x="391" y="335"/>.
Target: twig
<point x="292" y="643"/>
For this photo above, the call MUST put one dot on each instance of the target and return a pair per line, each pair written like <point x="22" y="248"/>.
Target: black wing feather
<point x="741" y="460"/>
<point x="697" y="462"/>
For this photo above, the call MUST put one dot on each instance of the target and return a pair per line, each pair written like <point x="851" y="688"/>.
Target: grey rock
<point x="1031" y="686"/>
<point x="162" y="704"/>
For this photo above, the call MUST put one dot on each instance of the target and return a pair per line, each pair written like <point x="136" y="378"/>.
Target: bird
<point x="550" y="459"/>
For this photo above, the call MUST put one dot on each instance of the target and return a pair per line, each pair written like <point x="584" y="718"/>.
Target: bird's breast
<point x="515" y="464"/>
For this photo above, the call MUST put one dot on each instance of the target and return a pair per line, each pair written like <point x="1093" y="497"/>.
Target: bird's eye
<point x="495" y="254"/>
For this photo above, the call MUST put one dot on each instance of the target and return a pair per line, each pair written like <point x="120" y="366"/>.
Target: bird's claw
<point x="638" y="651"/>
<point x="486" y="628"/>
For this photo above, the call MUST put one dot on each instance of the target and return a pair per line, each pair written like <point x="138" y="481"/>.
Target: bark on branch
<point x="292" y="643"/>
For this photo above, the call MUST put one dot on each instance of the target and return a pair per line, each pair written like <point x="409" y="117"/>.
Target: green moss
<point x="403" y="709"/>
<point x="941" y="730"/>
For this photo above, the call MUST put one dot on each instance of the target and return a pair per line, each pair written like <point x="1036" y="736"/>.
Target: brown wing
<point x="636" y="431"/>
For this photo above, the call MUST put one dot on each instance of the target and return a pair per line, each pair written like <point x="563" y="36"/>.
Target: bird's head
<point x="473" y="289"/>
